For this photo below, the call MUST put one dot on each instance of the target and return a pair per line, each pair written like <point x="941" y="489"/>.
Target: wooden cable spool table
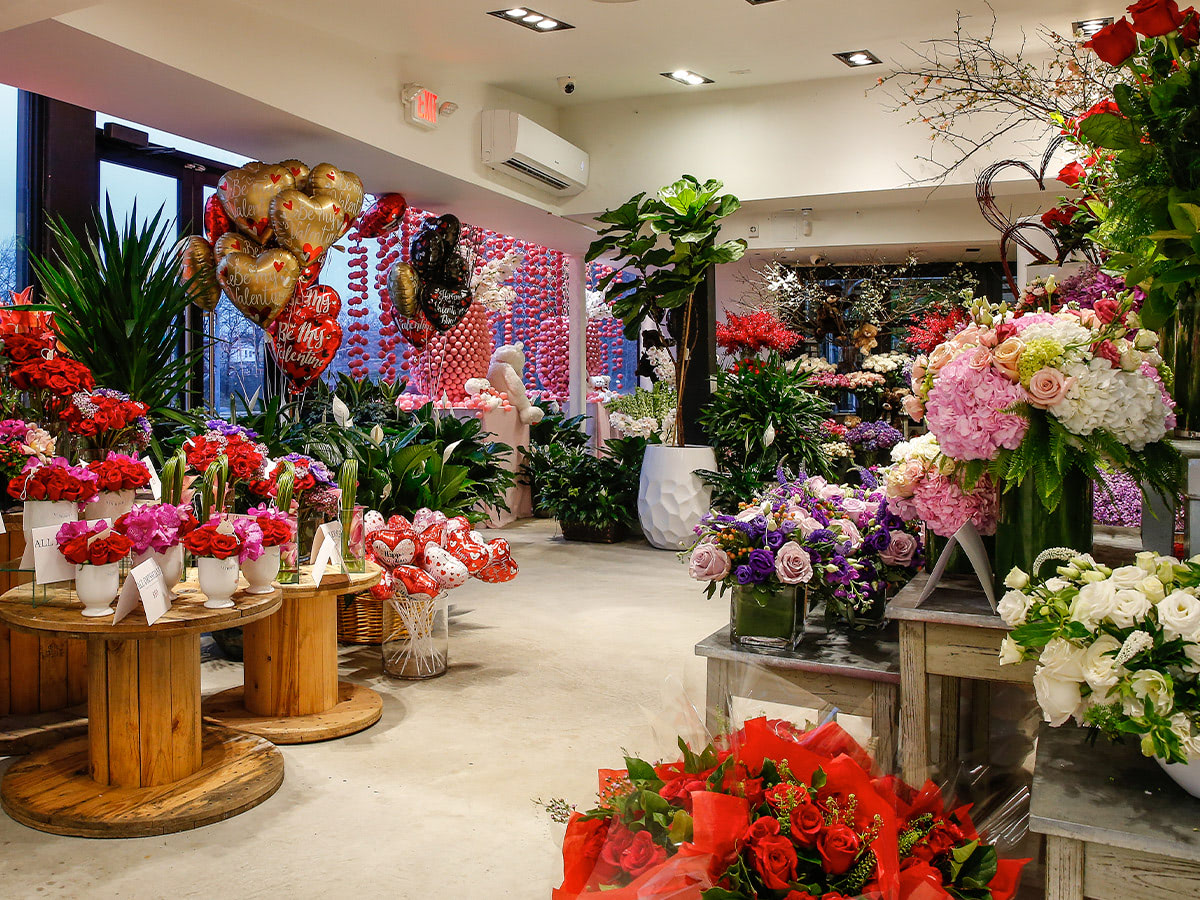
<point x="291" y="693"/>
<point x="146" y="766"/>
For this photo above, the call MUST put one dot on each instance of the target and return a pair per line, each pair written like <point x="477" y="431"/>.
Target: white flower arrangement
<point x="811" y="365"/>
<point x="886" y="363"/>
<point x="490" y="284"/>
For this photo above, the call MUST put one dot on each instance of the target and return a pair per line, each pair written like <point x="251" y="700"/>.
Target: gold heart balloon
<point x="198" y="270"/>
<point x="404" y="284"/>
<point x="299" y="173"/>
<point x="306" y="225"/>
<point x="259" y="286"/>
<point x="232" y="242"/>
<point x="246" y="195"/>
<point x="345" y="187"/>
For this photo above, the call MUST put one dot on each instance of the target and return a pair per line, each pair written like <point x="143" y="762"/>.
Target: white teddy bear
<point x="508" y="362"/>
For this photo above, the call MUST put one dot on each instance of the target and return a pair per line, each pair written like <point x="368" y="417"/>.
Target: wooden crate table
<point x="1116" y="827"/>
<point x="955" y="635"/>
<point x="146" y="767"/>
<point x="857" y="674"/>
<point x="291" y="693"/>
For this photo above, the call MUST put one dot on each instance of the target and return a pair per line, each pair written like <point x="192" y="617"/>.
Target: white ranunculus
<point x="1179" y="615"/>
<point x="1063" y="658"/>
<point x="1132" y="607"/>
<point x="1127" y="577"/>
<point x="1149" y="685"/>
<point x="1095" y="602"/>
<point x="1014" y="608"/>
<point x="1059" y="698"/>
<point x="1017" y="580"/>
<point x="1010" y="652"/>
<point x="1100" y="668"/>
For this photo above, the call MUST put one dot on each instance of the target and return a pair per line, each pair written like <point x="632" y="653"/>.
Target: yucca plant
<point x="120" y="306"/>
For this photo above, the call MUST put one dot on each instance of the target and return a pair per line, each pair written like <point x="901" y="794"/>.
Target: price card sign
<point x="49" y="565"/>
<point x="144" y="583"/>
<point x="326" y="550"/>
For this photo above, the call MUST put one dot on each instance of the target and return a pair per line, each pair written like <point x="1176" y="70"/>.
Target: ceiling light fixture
<point x="759" y="2"/>
<point x="1088" y="27"/>
<point x="531" y="19"/>
<point x="856" y="58"/>
<point x="688" y="77"/>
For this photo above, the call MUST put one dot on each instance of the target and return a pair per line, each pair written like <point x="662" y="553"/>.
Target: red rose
<point x="915" y="874"/>
<point x="276" y="532"/>
<point x="800" y="895"/>
<point x="642" y="854"/>
<point x="807" y="824"/>
<point x="1106" y="309"/>
<point x="678" y="791"/>
<point x="616" y="843"/>
<point x="784" y="794"/>
<point x="761" y="828"/>
<point x="21" y="348"/>
<point x="1059" y="216"/>
<point x="774" y="858"/>
<point x="1114" y="43"/>
<point x="1071" y="174"/>
<point x="839" y="847"/>
<point x="1154" y="18"/>
<point x="207" y="541"/>
<point x="1189" y="31"/>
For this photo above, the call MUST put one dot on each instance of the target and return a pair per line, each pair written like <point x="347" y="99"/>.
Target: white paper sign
<point x="145" y="582"/>
<point x="326" y="550"/>
<point x="49" y="565"/>
<point x="53" y="516"/>
<point x="127" y="600"/>
<point x="155" y="481"/>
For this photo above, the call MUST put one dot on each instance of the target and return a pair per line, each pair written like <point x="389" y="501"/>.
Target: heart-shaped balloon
<point x="449" y="227"/>
<point x="428" y="251"/>
<point x="456" y="523"/>
<point x="499" y="571"/>
<point x="216" y="220"/>
<point x="246" y="196"/>
<point x="318" y="300"/>
<point x="305" y="349"/>
<point x="259" y="286"/>
<point x="394" y="547"/>
<point x="419" y="584"/>
<point x="373" y="520"/>
<point x="449" y="572"/>
<point x="306" y="226"/>
<point x="415" y="329"/>
<point x="384" y="216"/>
<point x="344" y="187"/>
<point x="310" y="273"/>
<point x="444" y="307"/>
<point x="404" y="287"/>
<point x="198" y="270"/>
<point x="456" y="273"/>
<point x="299" y="173"/>
<point x="385" y="588"/>
<point x="424" y="517"/>
<point x="235" y="242"/>
<point x="430" y="536"/>
<point x="471" y="553"/>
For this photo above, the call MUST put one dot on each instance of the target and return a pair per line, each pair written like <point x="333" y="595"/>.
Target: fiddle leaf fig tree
<point x="667" y="243"/>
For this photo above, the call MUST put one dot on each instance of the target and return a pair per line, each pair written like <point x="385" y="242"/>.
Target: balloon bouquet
<point x="267" y="231"/>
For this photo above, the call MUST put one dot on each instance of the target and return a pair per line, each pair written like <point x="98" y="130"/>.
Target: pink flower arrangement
<point x="945" y="507"/>
<point x="156" y="527"/>
<point x="967" y="409"/>
<point x="250" y="536"/>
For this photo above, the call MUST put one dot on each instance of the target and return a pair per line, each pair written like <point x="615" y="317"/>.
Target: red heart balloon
<point x="311" y="272"/>
<point x="216" y="220"/>
<point x="471" y="553"/>
<point x="305" y="349"/>
<point x="394" y="547"/>
<point x="499" y="571"/>
<point x="383" y="217"/>
<point x="386" y="587"/>
<point x="317" y="300"/>
<point x="415" y="329"/>
<point x="418" y="583"/>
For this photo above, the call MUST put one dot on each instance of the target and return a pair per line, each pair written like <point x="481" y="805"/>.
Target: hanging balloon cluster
<point x="267" y="231"/>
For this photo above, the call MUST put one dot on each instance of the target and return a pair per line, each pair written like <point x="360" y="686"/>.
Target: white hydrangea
<point x="645" y="427"/>
<point x="924" y="447"/>
<point x="811" y="365"/>
<point x="1084" y="407"/>
<point x="1075" y="339"/>
<point x="886" y="363"/>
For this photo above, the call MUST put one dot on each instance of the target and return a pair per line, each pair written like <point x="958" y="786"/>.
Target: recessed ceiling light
<point x="855" y="58"/>
<point x="1089" y="27"/>
<point x="759" y="2"/>
<point x="531" y="19"/>
<point x="688" y="77"/>
<point x="972" y="249"/>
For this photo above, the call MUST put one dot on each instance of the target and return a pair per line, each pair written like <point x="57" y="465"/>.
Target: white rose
<point x="1149" y="685"/>
<point x="1152" y="588"/>
<point x="1100" y="668"/>
<point x="1063" y="659"/>
<point x="1017" y="580"/>
<point x="1059" y="698"/>
<point x="1056" y="584"/>
<point x="1179" y="615"/>
<point x="1094" y="603"/>
<point x="1014" y="607"/>
<point x="1010" y="652"/>
<point x="1127" y="577"/>
<point x="1182" y="726"/>
<point x="1132" y="607"/>
<point x="1147" y="561"/>
<point x="1192" y="652"/>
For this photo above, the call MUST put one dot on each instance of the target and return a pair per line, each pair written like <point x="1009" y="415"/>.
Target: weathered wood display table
<point x="955" y="635"/>
<point x="145" y="767"/>
<point x="857" y="674"/>
<point x="291" y="693"/>
<point x="1116" y="827"/>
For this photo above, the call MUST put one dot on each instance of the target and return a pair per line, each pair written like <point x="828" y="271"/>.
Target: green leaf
<point x="640" y="770"/>
<point x="1110" y="131"/>
<point x="1035" y="635"/>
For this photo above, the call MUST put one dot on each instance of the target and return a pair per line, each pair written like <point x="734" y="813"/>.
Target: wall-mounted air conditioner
<point x="524" y="149"/>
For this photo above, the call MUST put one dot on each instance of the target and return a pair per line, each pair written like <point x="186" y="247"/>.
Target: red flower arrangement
<point x="758" y="331"/>
<point x="55" y="480"/>
<point x="275" y="531"/>
<point x="119" y="472"/>
<point x="775" y="812"/>
<point x="245" y="456"/>
<point x="59" y="376"/>
<point x="22" y="348"/>
<point x="97" y="546"/>
<point x="94" y="414"/>
<point x="933" y="327"/>
<point x="206" y="540"/>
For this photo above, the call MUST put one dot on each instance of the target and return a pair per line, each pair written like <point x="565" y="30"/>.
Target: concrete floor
<point x="551" y="676"/>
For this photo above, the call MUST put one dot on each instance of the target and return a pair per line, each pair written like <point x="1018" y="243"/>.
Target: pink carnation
<point x="965" y="411"/>
<point x="944" y="507"/>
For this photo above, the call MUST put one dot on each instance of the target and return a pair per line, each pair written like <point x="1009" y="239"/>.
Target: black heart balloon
<point x="456" y="273"/>
<point x="450" y="228"/>
<point x="443" y="306"/>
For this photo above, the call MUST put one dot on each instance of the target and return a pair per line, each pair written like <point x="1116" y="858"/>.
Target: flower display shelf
<point x="43" y="677"/>
<point x="146" y="765"/>
<point x="291" y="693"/>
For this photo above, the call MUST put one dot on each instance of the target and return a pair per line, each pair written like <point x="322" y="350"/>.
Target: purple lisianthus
<point x="744" y="575"/>
<point x="228" y="429"/>
<point x="775" y="539"/>
<point x="762" y="564"/>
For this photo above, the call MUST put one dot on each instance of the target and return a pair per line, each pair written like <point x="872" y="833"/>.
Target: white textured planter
<point x="218" y="580"/>
<point x="97" y="587"/>
<point x="671" y="500"/>
<point x="260" y="573"/>
<point x="171" y="563"/>
<point x="1186" y="775"/>
<point x="40" y="513"/>
<point x="110" y="505"/>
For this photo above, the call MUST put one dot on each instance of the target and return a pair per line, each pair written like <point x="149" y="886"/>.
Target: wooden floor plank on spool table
<point x="289" y="658"/>
<point x="24" y="653"/>
<point x="5" y="664"/>
<point x="155" y="752"/>
<point x="97" y="711"/>
<point x="124" y="748"/>
<point x="52" y="673"/>
<point x="258" y="643"/>
<point x="76" y="672"/>
<point x="185" y="675"/>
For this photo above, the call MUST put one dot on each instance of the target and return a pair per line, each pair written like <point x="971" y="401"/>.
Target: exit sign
<point x="422" y="109"/>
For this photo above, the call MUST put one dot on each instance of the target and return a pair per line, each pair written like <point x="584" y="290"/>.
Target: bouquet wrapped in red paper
<point x="772" y="813"/>
<point x="207" y="540"/>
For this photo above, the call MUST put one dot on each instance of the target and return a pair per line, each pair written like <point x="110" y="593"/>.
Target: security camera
<point x="567" y="83"/>
<point x="817" y="259"/>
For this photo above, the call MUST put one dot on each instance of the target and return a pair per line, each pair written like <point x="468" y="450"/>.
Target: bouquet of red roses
<point x="246" y="456"/>
<point x="95" y="546"/>
<point x="19" y="349"/>
<point x="60" y="376"/>
<point x="206" y="540"/>
<point x="55" y="480"/>
<point x="276" y="526"/>
<point x="107" y="417"/>
<point x="773" y="813"/>
<point x="119" y="472"/>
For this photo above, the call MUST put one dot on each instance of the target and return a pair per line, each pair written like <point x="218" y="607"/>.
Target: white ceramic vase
<point x="97" y="587"/>
<point x="1186" y="775"/>
<point x="218" y="580"/>
<point x="110" y="505"/>
<point x="170" y="561"/>
<point x="671" y="498"/>
<point x="40" y="513"/>
<point x="260" y="573"/>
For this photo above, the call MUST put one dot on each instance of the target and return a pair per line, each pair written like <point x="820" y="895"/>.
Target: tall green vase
<point x="1180" y="348"/>
<point x="1026" y="527"/>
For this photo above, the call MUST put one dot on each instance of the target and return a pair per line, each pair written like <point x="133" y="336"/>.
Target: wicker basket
<point x="360" y="619"/>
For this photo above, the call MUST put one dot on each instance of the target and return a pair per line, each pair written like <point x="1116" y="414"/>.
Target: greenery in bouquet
<point x="1116" y="649"/>
<point x="773" y="811"/>
<point x="313" y="485"/>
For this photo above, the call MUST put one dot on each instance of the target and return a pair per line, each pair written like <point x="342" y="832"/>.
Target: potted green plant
<point x="593" y="497"/>
<point x="664" y="247"/>
<point x="555" y="428"/>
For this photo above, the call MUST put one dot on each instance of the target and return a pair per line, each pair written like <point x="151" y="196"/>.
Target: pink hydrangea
<point x="1020" y="323"/>
<point x="1152" y="373"/>
<point x="946" y="508"/>
<point x="965" y="411"/>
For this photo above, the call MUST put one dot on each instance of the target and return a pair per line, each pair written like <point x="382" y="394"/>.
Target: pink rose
<point x="900" y="549"/>
<point x="807" y="524"/>
<point x="902" y="479"/>
<point x="1007" y="357"/>
<point x="852" y="506"/>
<point x="941" y="355"/>
<point x="1089" y="318"/>
<point x="708" y="563"/>
<point x="793" y="565"/>
<point x="849" y="532"/>
<point x="914" y="408"/>
<point x="980" y="359"/>
<point x="1047" y="387"/>
<point x="1106" y="309"/>
<point x="1108" y="350"/>
<point x="918" y="369"/>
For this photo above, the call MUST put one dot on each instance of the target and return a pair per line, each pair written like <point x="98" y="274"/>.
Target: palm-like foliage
<point x="119" y="306"/>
